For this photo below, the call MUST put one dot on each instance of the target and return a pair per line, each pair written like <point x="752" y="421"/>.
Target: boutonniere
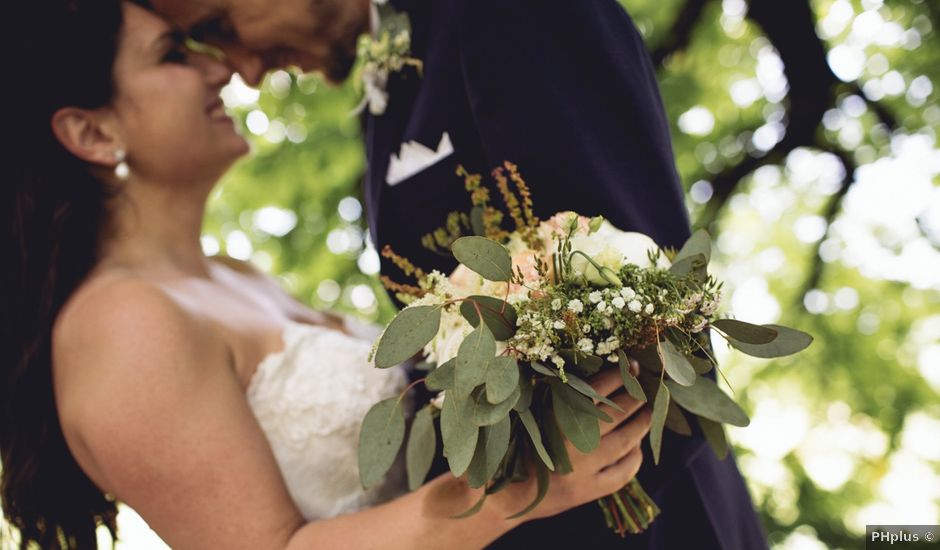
<point x="387" y="51"/>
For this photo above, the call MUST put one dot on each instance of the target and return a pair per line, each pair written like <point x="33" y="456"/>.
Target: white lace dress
<point x="310" y="400"/>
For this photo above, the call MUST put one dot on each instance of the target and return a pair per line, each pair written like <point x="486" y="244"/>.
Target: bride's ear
<point x="87" y="134"/>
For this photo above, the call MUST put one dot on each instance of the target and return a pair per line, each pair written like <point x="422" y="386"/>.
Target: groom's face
<point x="260" y="35"/>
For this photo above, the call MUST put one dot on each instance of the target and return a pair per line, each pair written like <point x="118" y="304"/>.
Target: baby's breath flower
<point x="560" y="325"/>
<point x="635" y="306"/>
<point x="595" y="297"/>
<point x="618" y="302"/>
<point x="586" y="345"/>
<point x="649" y="309"/>
<point x="556" y="304"/>
<point x="627" y="293"/>
<point x="586" y="329"/>
<point x="576" y="306"/>
<point x="613" y="358"/>
<point x="558" y="361"/>
<point x="602" y="307"/>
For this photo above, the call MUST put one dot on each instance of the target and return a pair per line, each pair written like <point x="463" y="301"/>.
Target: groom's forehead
<point x="184" y="14"/>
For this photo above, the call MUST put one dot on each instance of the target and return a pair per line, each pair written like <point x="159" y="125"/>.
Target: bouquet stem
<point x="629" y="510"/>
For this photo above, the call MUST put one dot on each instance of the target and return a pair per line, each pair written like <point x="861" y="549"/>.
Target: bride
<point x="136" y="369"/>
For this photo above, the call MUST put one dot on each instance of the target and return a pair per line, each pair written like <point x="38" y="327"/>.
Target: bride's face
<point x="167" y="104"/>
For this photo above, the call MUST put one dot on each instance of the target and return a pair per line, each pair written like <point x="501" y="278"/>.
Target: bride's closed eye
<point x="175" y="50"/>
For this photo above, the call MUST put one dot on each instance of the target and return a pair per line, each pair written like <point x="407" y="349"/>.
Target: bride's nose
<point x="216" y="70"/>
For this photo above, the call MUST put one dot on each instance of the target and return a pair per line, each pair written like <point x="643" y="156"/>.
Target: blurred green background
<point x="806" y="136"/>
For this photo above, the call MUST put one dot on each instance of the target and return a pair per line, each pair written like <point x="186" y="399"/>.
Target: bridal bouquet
<point x="526" y="317"/>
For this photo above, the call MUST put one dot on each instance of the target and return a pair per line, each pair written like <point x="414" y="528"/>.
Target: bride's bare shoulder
<point x="116" y="321"/>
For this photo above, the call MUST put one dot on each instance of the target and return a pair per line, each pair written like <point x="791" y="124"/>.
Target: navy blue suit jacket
<point x="566" y="90"/>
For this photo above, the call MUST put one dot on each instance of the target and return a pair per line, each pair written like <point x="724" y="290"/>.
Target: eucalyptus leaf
<point x="676" y="421"/>
<point x="542" y="369"/>
<point x="585" y="389"/>
<point x="677" y="366"/>
<point x="704" y="398"/>
<point x="649" y="359"/>
<point x="407" y="334"/>
<point x="502" y="377"/>
<point x="503" y="475"/>
<point x="700" y="243"/>
<point x="787" y="342"/>
<point x="380" y="438"/>
<point x="556" y="445"/>
<point x="536" y="437"/>
<point x="695" y="263"/>
<point x="585" y="364"/>
<point x="499" y="484"/>
<point x="715" y="436"/>
<point x="541" y="475"/>
<point x="577" y="400"/>
<point x="497" y="444"/>
<point x="701" y="365"/>
<point x="630" y="383"/>
<point x="520" y="470"/>
<point x="498" y="315"/>
<point x="746" y="332"/>
<point x="442" y="377"/>
<point x="422" y="442"/>
<point x="459" y="434"/>
<point x="484" y="413"/>
<point x="484" y="256"/>
<point x="476" y="472"/>
<point x="473" y="509"/>
<point x="473" y="355"/>
<point x="581" y="428"/>
<point x="660" y="409"/>
<point x="525" y="394"/>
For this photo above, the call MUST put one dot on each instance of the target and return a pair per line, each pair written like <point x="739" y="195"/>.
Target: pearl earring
<point x="122" y="170"/>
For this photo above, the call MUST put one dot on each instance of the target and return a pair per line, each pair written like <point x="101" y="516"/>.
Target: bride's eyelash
<point x="177" y="53"/>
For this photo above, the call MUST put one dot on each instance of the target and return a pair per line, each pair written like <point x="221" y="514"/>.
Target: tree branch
<point x="791" y="28"/>
<point x="680" y="35"/>
<point x="832" y="210"/>
<point x="885" y="116"/>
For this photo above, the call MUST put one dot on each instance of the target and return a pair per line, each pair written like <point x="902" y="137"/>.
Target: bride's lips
<point x="216" y="110"/>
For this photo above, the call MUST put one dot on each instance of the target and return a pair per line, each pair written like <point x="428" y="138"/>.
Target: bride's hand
<point x="595" y="475"/>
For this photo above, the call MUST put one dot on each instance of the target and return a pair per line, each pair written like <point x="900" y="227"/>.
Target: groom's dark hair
<point x="52" y="211"/>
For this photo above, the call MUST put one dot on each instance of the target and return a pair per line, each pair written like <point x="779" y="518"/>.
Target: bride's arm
<point x="154" y="414"/>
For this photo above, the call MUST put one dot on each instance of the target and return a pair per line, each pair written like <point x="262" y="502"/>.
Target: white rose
<point x="611" y="248"/>
<point x="603" y="254"/>
<point x="634" y="247"/>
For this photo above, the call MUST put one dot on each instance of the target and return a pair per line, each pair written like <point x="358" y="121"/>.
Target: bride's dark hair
<point x="53" y="210"/>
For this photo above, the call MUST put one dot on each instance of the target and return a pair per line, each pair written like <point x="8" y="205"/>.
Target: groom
<point x="562" y="88"/>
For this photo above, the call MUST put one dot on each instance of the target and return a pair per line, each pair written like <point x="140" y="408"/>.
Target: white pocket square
<point x="415" y="157"/>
